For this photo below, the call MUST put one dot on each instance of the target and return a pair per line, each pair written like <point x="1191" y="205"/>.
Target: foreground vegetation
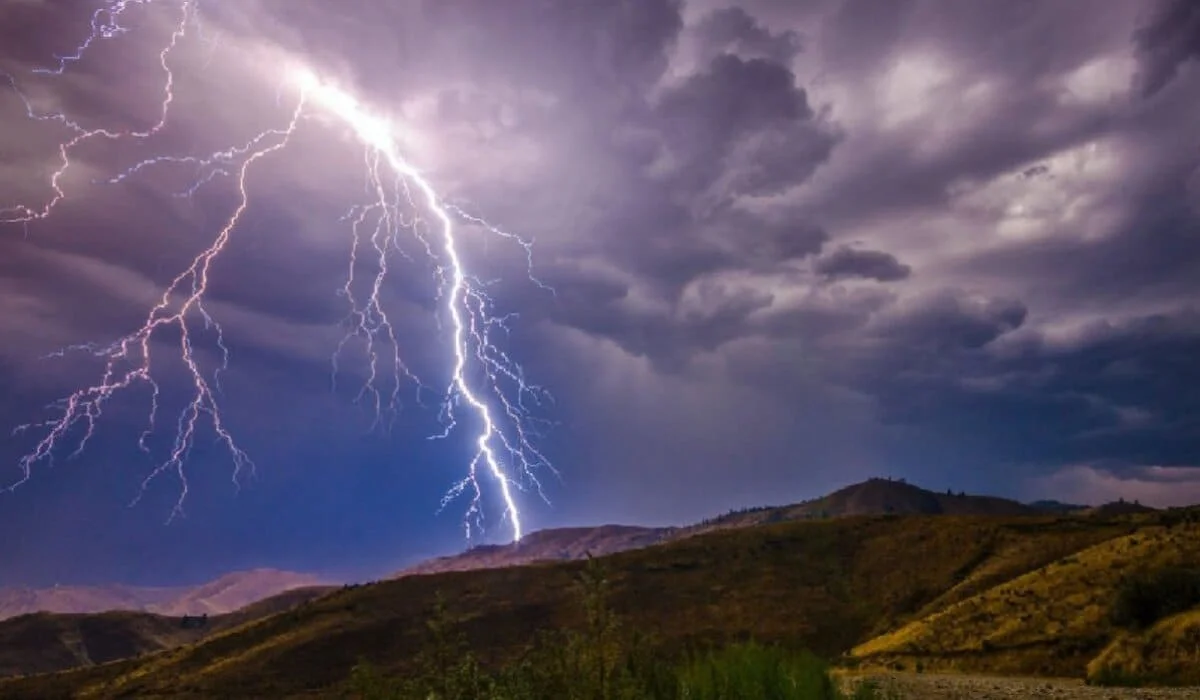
<point x="603" y="660"/>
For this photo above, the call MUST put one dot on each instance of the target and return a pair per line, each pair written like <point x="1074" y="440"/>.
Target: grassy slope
<point x="45" y="642"/>
<point x="1168" y="652"/>
<point x="1052" y="620"/>
<point x="825" y="585"/>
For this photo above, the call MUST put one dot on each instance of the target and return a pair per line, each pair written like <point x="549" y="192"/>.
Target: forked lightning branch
<point x="486" y="389"/>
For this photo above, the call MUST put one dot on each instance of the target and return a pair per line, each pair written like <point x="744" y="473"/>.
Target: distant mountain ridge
<point x="46" y="642"/>
<point x="556" y="544"/>
<point x="222" y="595"/>
<point x="876" y="496"/>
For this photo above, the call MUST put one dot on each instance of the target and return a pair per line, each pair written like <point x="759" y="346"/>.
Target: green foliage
<point x="1148" y="597"/>
<point x="367" y="683"/>
<point x="745" y="671"/>
<point x="753" y="672"/>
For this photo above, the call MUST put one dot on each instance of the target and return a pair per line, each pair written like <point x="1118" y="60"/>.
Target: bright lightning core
<point x="485" y="384"/>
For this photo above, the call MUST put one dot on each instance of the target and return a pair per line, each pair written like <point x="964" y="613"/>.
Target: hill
<point x="1053" y="506"/>
<point x="20" y="600"/>
<point x="876" y="497"/>
<point x="1058" y="619"/>
<point x="46" y="642"/>
<point x="58" y="640"/>
<point x="1118" y="508"/>
<point x="1164" y="653"/>
<point x="235" y="591"/>
<point x="830" y="585"/>
<point x="557" y="544"/>
<point x="871" y="497"/>
<point x="223" y="595"/>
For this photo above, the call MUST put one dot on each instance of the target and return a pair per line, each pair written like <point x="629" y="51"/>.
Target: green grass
<point x="754" y="672"/>
<point x="746" y="671"/>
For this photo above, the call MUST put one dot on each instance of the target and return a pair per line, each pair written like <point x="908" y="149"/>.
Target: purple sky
<point x="794" y="244"/>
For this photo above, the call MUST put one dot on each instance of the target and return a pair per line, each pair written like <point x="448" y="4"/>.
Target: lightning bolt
<point x="485" y="383"/>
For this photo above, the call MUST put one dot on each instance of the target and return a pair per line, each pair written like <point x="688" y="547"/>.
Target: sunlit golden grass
<point x="1167" y="653"/>
<point x="1052" y="620"/>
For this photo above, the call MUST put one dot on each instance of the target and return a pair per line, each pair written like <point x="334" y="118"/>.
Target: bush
<point x="754" y="672"/>
<point x="1146" y="598"/>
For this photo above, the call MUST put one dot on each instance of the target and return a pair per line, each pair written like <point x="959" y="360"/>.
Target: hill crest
<point x="225" y="594"/>
<point x="876" y="496"/>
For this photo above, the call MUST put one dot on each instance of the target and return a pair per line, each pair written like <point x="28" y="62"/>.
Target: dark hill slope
<point x="875" y="497"/>
<point x="46" y="642"/>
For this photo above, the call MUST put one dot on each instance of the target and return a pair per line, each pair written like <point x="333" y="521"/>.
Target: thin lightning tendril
<point x="485" y="383"/>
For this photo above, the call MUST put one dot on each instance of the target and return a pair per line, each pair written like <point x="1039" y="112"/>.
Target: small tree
<point x="448" y="669"/>
<point x="600" y="642"/>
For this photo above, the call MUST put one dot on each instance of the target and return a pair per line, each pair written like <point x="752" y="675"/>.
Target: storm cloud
<point x="790" y="245"/>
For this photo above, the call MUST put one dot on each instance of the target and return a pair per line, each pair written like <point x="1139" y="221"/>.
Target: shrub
<point x="1146" y="598"/>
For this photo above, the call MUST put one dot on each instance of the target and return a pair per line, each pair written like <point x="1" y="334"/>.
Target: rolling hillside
<point x="45" y="642"/>
<point x="871" y="497"/>
<point x="22" y="600"/>
<point x="1052" y="620"/>
<point x="829" y="585"/>
<point x="548" y="545"/>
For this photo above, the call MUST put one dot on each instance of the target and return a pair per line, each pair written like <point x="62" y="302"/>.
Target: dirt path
<point x="930" y="686"/>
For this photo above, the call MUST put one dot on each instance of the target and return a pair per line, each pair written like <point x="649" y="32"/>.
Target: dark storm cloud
<point x="678" y="268"/>
<point x="1169" y="40"/>
<point x="733" y="30"/>
<point x="960" y="49"/>
<point x="791" y="244"/>
<point x="869" y="264"/>
<point x="754" y="104"/>
<point x="667" y="334"/>
<point x="1114" y="396"/>
<point x="952" y="321"/>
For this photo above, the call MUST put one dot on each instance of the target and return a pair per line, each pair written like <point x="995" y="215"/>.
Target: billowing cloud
<point x="869" y="264"/>
<point x="1166" y="43"/>
<point x="790" y="244"/>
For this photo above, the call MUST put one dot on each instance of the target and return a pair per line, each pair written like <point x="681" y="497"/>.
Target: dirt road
<point x="930" y="686"/>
